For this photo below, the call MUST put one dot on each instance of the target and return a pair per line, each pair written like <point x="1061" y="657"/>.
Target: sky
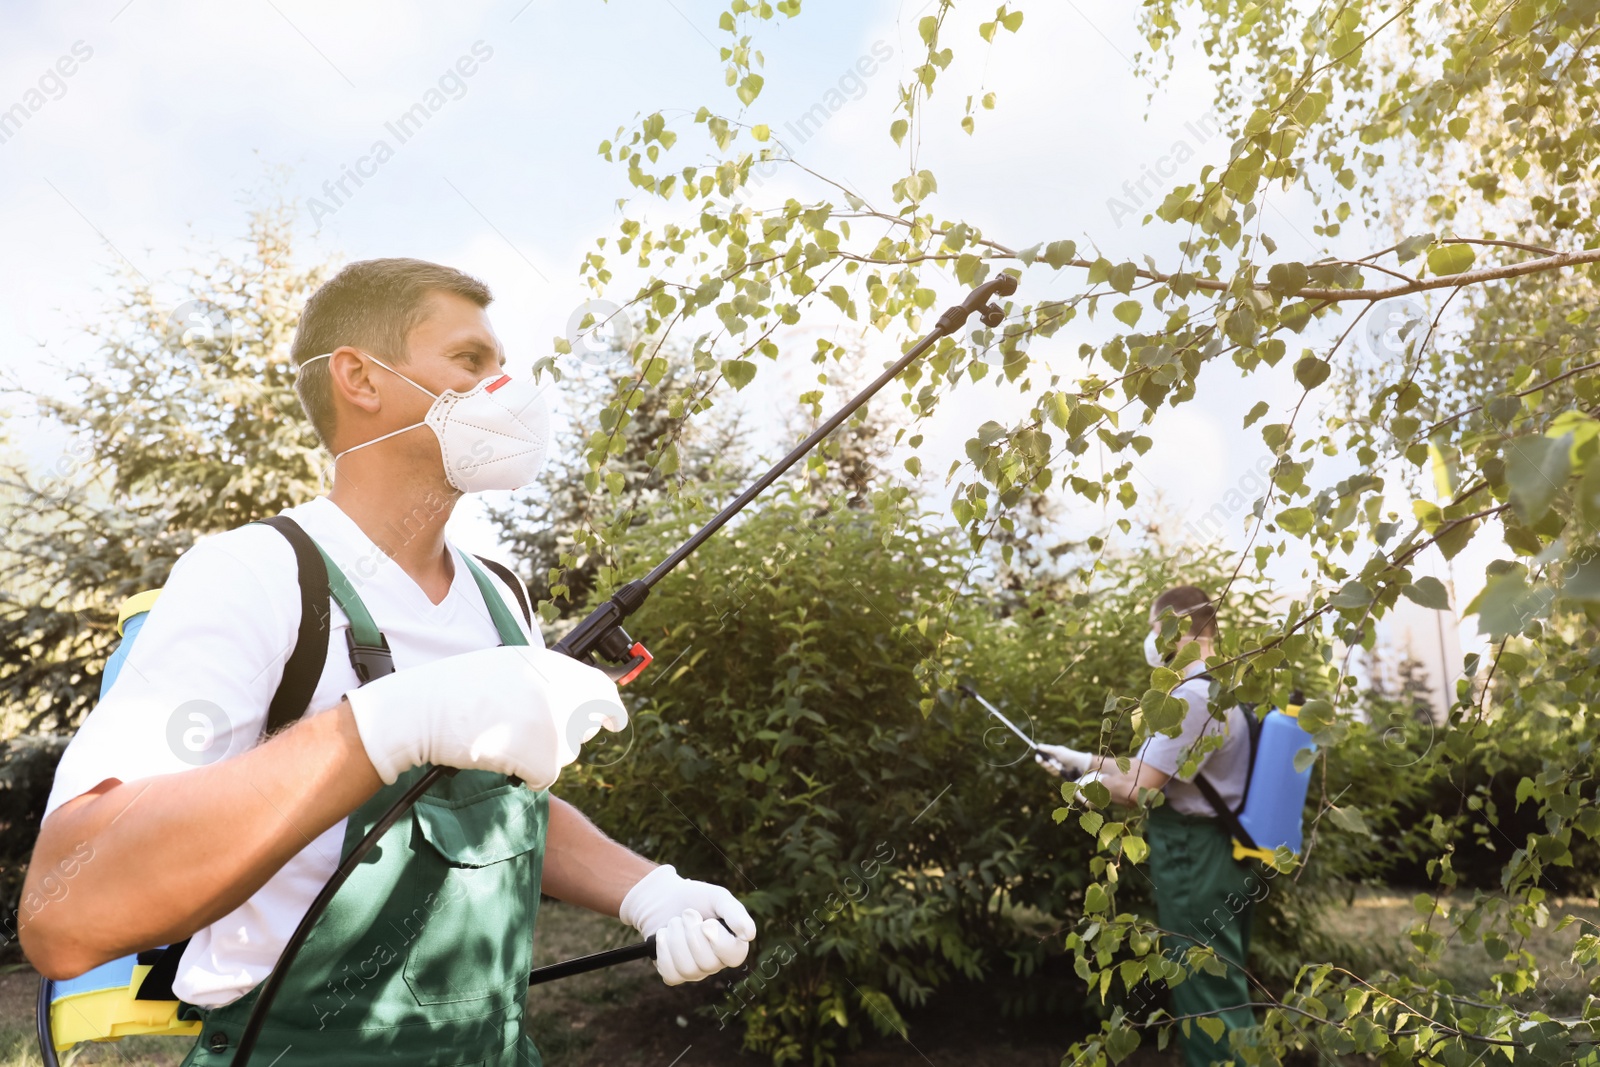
<point x="177" y="117"/>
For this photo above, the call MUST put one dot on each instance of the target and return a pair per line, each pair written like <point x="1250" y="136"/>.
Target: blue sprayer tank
<point x="1276" y="800"/>
<point x="103" y="1004"/>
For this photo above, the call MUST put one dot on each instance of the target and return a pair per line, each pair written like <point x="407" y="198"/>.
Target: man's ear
<point x="350" y="377"/>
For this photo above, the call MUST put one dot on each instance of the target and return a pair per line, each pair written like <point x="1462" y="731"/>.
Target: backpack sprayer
<point x="601" y="636"/>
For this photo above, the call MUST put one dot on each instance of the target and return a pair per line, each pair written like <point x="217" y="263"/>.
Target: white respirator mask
<point x="493" y="437"/>
<point x="1152" y="650"/>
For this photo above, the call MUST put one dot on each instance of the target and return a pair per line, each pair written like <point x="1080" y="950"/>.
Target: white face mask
<point x="494" y="437"/>
<point x="1152" y="650"/>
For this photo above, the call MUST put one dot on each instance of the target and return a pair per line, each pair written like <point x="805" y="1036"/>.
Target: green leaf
<point x="1120" y="1042"/>
<point x="1354" y="595"/>
<point x="1286" y="278"/>
<point x="1135" y="848"/>
<point x="1429" y="592"/>
<point x="1508" y="604"/>
<point x="1161" y="712"/>
<point x="1536" y="470"/>
<point x="739" y="372"/>
<point x="1412" y="247"/>
<point x="1349" y="818"/>
<point x="1059" y="253"/>
<point x="750" y="88"/>
<point x="668" y="464"/>
<point x="1256" y="413"/>
<point x="1316" y="716"/>
<point x="1581" y="577"/>
<point x="1128" y="311"/>
<point x="1311" y="371"/>
<point x="1450" y="259"/>
<point x="1295" y="521"/>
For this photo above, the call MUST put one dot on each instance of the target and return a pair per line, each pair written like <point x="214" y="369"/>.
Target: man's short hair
<point x="373" y="305"/>
<point x="1192" y="603"/>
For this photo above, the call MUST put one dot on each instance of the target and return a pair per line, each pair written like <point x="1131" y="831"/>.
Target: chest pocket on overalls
<point x="478" y="850"/>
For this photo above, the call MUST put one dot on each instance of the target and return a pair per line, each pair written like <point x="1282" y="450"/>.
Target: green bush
<point x="781" y="747"/>
<point x="781" y="750"/>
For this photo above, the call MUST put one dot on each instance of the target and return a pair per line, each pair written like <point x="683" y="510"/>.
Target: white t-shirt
<point x="1227" y="768"/>
<point x="197" y="683"/>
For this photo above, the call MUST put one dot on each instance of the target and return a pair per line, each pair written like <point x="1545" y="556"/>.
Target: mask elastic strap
<point x="379" y="362"/>
<point x="375" y="440"/>
<point x="393" y="433"/>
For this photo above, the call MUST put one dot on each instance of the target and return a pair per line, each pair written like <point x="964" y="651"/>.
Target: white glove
<point x="516" y="709"/>
<point x="682" y="915"/>
<point x="1059" y="760"/>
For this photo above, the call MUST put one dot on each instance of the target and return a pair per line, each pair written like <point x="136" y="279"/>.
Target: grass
<point x="573" y="1021"/>
<point x="625" y="1017"/>
<point x="1381" y="923"/>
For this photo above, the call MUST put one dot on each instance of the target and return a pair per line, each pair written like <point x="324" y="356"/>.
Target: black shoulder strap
<point x="157" y="984"/>
<point x="299" y="685"/>
<point x="1252" y="724"/>
<point x="504" y="573"/>
<point x="304" y="669"/>
<point x="1226" y="815"/>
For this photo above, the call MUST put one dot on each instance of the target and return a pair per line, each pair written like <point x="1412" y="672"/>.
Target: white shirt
<point x="198" y="681"/>
<point x="1227" y="768"/>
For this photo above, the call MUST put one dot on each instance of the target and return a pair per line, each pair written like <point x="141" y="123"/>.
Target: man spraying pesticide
<point x="1240" y="801"/>
<point x="398" y="768"/>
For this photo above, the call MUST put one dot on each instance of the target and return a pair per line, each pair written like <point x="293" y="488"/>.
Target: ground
<point x="625" y="1017"/>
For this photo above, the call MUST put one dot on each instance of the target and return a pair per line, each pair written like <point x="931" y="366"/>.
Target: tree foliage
<point x="1449" y="152"/>
<point x="183" y="422"/>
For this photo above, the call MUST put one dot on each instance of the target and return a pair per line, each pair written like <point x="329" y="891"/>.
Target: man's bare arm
<point x="1126" y="786"/>
<point x="157" y="859"/>
<point x="583" y="866"/>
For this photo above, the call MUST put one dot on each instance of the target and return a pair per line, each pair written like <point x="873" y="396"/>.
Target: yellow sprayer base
<point x="1264" y="855"/>
<point x="112" y="1014"/>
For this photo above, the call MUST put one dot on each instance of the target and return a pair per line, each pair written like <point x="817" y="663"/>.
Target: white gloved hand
<point x="1065" y="760"/>
<point x="516" y="709"/>
<point x="682" y="915"/>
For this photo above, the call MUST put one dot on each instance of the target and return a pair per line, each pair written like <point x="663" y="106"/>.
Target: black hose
<point x="297" y="940"/>
<point x="47" y="1037"/>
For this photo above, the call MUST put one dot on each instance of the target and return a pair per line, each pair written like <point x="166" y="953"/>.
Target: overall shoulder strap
<point x="505" y="574"/>
<point x="369" y="649"/>
<point x="504" y="624"/>
<point x="304" y="669"/>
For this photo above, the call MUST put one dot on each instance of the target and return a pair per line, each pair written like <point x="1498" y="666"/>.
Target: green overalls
<point x="1204" y="895"/>
<point x="422" y="958"/>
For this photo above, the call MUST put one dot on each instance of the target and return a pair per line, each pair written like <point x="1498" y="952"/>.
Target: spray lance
<point x="1030" y="742"/>
<point x="601" y="640"/>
